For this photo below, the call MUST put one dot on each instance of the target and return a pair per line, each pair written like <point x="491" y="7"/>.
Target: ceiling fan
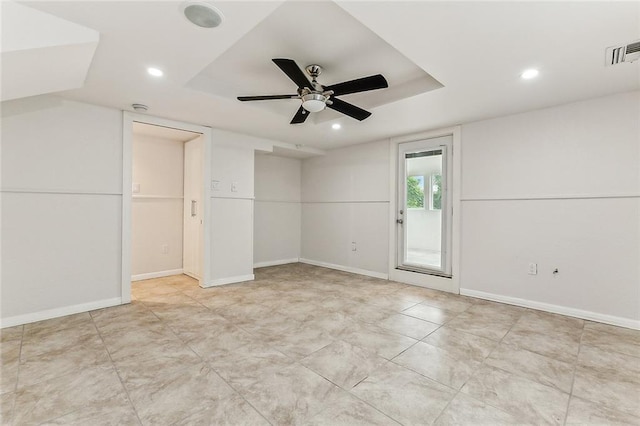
<point x="315" y="97"/>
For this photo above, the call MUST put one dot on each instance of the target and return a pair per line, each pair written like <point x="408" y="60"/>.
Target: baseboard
<point x="59" y="312"/>
<point x="230" y="280"/>
<point x="276" y="262"/>
<point x="346" y="269"/>
<point x="556" y="309"/>
<point x="159" y="274"/>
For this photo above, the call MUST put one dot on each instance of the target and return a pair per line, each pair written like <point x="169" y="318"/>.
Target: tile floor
<point x="307" y="345"/>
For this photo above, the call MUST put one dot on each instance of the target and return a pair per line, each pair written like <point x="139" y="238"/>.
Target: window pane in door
<point x="423" y="218"/>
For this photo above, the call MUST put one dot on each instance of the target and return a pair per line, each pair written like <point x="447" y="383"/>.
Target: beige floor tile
<point x="560" y="346"/>
<point x="49" y="400"/>
<point x="437" y="364"/>
<point x="408" y="326"/>
<point x="467" y="411"/>
<point x="342" y="363"/>
<point x="378" y="340"/>
<point x="525" y="399"/>
<point x="346" y="410"/>
<point x="291" y="395"/>
<point x="448" y="301"/>
<point x="9" y="362"/>
<point x="542" y="369"/>
<point x="405" y="396"/>
<point x="608" y="378"/>
<point x="582" y="412"/>
<point x="366" y="313"/>
<point x="616" y="339"/>
<point x="247" y="365"/>
<point x="611" y="363"/>
<point x="430" y="313"/>
<point x="144" y="366"/>
<point x="171" y="396"/>
<point x="219" y="340"/>
<point x="132" y="341"/>
<point x="488" y="325"/>
<point x="6" y="407"/>
<point x="84" y="334"/>
<point x="230" y="411"/>
<point x="115" y="412"/>
<point x="123" y="319"/>
<point x="60" y="362"/>
<point x="11" y="333"/>
<point x="43" y="328"/>
<point x="460" y="344"/>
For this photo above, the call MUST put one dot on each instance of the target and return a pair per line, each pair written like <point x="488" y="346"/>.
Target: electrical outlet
<point x="234" y="186"/>
<point x="353" y="246"/>
<point x="164" y="248"/>
<point x="533" y="269"/>
<point x="215" y="185"/>
<point x="135" y="188"/>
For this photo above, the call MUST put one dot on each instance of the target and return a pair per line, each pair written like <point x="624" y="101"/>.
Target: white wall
<point x="277" y="210"/>
<point x="157" y="210"/>
<point x="61" y="208"/>
<point x="346" y="199"/>
<point x="231" y="210"/>
<point x="559" y="187"/>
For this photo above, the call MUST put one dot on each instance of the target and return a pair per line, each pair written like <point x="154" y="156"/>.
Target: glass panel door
<point x="423" y="200"/>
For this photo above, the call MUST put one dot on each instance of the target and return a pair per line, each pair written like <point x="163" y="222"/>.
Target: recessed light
<point x="155" y="72"/>
<point x="336" y="126"/>
<point x="202" y="14"/>
<point x="529" y="74"/>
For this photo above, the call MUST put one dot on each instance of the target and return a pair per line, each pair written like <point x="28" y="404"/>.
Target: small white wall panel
<point x="277" y="231"/>
<point x="584" y="148"/>
<point x="231" y="238"/>
<point x="594" y="244"/>
<point x="58" y="250"/>
<point x="54" y="144"/>
<point x="155" y="223"/>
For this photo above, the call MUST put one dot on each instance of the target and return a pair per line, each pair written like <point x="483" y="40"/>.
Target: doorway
<point x="424" y="230"/>
<point x="165" y="203"/>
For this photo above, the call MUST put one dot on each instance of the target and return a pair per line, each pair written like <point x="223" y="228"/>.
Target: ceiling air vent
<point x="624" y="53"/>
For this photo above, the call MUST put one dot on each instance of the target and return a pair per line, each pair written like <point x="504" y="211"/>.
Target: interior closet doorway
<point x="165" y="200"/>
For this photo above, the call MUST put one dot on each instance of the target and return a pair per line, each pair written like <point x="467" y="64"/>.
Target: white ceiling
<point x="475" y="49"/>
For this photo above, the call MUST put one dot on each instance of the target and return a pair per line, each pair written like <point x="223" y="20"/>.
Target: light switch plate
<point x="234" y="187"/>
<point x="215" y="185"/>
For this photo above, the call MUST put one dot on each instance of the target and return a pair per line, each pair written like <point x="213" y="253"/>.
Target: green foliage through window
<point x="436" y="192"/>
<point x="415" y="192"/>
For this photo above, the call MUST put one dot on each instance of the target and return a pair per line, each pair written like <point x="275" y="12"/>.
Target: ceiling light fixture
<point x="336" y="126"/>
<point x="202" y="14"/>
<point x="314" y="102"/>
<point x="529" y="74"/>
<point x="155" y="72"/>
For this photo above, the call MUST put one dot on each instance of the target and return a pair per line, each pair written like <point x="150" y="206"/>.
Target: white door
<point x="424" y="206"/>
<point x="193" y="208"/>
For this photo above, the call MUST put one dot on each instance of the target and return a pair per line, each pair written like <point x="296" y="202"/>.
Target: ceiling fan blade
<point x="349" y="109"/>
<point x="364" y="84"/>
<point x="300" y="117"/>
<point x="293" y="71"/>
<point x="266" y="97"/>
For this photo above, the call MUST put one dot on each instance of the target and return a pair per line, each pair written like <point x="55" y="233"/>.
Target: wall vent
<point x="623" y="53"/>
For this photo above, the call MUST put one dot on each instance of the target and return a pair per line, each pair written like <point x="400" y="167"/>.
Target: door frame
<point x="128" y="118"/>
<point x="415" y="278"/>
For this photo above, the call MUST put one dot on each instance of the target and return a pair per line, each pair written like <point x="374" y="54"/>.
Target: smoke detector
<point x="139" y="107"/>
<point x="201" y="14"/>
<point x="629" y="52"/>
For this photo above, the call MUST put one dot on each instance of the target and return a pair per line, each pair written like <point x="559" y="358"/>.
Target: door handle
<point x="400" y="221"/>
<point x="193" y="208"/>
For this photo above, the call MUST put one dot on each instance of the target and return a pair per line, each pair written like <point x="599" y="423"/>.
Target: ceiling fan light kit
<point x="315" y="97"/>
